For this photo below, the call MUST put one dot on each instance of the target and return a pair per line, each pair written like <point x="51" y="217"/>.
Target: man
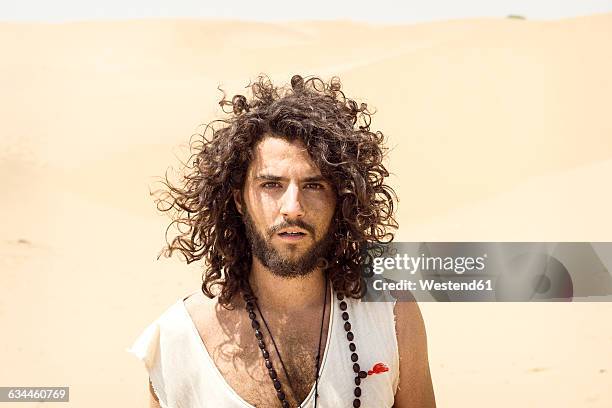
<point x="280" y="203"/>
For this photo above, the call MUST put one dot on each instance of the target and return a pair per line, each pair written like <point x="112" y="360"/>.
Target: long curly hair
<point x="336" y="132"/>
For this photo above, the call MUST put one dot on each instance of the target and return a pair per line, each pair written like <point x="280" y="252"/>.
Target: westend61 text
<point x="431" y="284"/>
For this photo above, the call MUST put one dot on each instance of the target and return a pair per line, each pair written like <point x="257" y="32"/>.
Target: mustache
<point x="291" y="223"/>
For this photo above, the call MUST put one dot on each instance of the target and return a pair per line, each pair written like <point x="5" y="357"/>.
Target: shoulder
<point x="214" y="323"/>
<point x="409" y="323"/>
<point x="200" y="308"/>
<point x="415" y="387"/>
<point x="196" y="301"/>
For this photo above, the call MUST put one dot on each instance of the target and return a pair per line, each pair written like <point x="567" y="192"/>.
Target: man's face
<point x="287" y="208"/>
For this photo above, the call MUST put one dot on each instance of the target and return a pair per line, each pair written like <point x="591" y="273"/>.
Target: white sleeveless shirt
<point x="184" y="375"/>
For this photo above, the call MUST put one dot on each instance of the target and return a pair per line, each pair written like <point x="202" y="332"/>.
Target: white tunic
<point x="184" y="375"/>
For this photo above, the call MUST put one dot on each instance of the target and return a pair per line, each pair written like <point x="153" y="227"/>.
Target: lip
<point x="293" y="229"/>
<point x="292" y="238"/>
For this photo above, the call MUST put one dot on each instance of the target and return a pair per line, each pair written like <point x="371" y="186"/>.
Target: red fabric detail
<point x="378" y="368"/>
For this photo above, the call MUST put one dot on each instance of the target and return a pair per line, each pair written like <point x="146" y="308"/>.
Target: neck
<point x="275" y="292"/>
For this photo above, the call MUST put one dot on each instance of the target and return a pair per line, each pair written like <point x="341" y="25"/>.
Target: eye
<point x="315" y="186"/>
<point x="270" y="184"/>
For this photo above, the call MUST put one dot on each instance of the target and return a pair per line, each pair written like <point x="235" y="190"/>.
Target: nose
<point x="291" y="205"/>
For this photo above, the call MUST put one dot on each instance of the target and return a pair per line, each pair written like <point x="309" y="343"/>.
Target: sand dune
<point x="499" y="130"/>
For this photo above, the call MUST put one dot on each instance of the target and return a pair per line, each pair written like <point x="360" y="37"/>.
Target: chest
<point x="238" y="357"/>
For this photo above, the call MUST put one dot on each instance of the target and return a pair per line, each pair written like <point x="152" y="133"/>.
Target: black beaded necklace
<point x="251" y="304"/>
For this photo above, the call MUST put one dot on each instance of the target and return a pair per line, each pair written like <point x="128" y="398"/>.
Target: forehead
<point x="277" y="156"/>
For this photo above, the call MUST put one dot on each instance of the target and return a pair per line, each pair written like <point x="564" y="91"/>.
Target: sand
<point x="500" y="130"/>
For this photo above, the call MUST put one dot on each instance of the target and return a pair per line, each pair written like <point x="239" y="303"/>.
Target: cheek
<point x="323" y="210"/>
<point x="263" y="207"/>
<point x="268" y="204"/>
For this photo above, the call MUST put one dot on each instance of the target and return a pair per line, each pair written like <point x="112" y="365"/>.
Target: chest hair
<point x="237" y="356"/>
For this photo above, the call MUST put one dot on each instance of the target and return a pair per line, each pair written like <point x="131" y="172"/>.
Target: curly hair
<point x="336" y="133"/>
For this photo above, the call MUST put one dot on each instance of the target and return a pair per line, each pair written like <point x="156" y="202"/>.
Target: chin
<point x="294" y="250"/>
<point x="291" y="247"/>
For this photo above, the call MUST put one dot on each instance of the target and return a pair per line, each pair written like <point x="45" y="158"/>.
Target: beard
<point x="280" y="265"/>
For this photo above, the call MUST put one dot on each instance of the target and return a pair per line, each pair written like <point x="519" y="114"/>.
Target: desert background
<point x="500" y="130"/>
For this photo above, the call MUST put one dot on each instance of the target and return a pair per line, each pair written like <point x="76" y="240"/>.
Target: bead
<point x="350" y="336"/>
<point x="340" y="296"/>
<point x="343" y="305"/>
<point x="280" y="395"/>
<point x="255" y="324"/>
<point x="357" y="380"/>
<point x="265" y="354"/>
<point x="356" y="403"/>
<point x="258" y="334"/>
<point x="354" y="357"/>
<point x="252" y="315"/>
<point x="357" y="392"/>
<point x="356" y="367"/>
<point x="345" y="316"/>
<point x="352" y="346"/>
<point x="268" y="364"/>
<point x="272" y="373"/>
<point x="347" y="326"/>
<point x="363" y="374"/>
<point x="277" y="384"/>
<point x="250" y="306"/>
<point x="261" y="344"/>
